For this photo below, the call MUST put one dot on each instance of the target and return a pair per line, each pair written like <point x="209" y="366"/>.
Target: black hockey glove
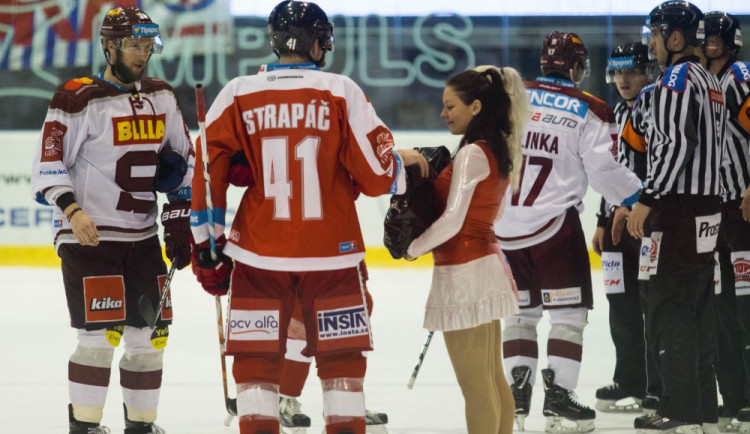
<point x="175" y="217"/>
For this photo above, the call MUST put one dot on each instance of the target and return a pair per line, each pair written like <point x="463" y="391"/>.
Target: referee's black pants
<point x="681" y="323"/>
<point x="626" y="311"/>
<point x="733" y="312"/>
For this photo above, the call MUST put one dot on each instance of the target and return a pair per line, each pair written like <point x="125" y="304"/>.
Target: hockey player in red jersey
<point x="296" y="365"/>
<point x="305" y="134"/>
<point x="108" y="143"/>
<point x="567" y="143"/>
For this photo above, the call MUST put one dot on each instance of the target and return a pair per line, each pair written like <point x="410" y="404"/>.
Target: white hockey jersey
<point x="570" y="140"/>
<point x="102" y="142"/>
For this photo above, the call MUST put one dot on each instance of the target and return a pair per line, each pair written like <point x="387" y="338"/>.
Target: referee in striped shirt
<point x="722" y="44"/>
<point x="681" y="198"/>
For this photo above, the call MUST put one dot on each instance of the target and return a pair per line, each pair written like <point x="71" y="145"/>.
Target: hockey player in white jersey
<point x="108" y="144"/>
<point x="569" y="141"/>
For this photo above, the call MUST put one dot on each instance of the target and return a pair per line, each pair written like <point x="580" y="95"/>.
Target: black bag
<point x="411" y="213"/>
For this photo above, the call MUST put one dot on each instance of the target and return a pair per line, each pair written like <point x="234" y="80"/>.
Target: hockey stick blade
<point x="147" y="311"/>
<point x="231" y="411"/>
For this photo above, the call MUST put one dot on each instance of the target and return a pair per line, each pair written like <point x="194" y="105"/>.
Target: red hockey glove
<point x="175" y="217"/>
<point x="212" y="275"/>
<point x="240" y="174"/>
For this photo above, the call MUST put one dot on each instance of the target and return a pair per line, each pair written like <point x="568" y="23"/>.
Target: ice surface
<point x="37" y="341"/>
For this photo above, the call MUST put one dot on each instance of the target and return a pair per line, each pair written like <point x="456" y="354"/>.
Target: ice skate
<point x="291" y="418"/>
<point x="562" y="408"/>
<point x="521" y="389"/>
<point x="727" y="420"/>
<point x="649" y="405"/>
<point x="132" y="427"/>
<point x="78" y="427"/>
<point x="142" y="428"/>
<point x="376" y="422"/>
<point x="658" y="425"/>
<point x="743" y="417"/>
<point x="614" y="399"/>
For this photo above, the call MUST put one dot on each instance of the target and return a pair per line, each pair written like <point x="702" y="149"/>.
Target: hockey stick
<point x="144" y="305"/>
<point x="421" y="359"/>
<point x="200" y="105"/>
<point x="230" y="403"/>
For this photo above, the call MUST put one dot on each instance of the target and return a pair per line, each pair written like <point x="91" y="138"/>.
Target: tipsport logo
<point x="146" y="29"/>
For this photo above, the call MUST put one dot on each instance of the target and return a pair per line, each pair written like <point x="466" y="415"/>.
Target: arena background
<point x="400" y="54"/>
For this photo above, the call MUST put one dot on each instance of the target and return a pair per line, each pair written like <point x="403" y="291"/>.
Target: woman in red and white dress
<point x="472" y="287"/>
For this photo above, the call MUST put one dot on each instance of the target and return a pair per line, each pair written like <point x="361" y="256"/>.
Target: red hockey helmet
<point x="124" y="23"/>
<point x="560" y="52"/>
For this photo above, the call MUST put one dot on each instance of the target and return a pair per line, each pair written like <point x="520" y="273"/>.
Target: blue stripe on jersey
<point x="741" y="71"/>
<point x="198" y="218"/>
<point x="542" y="98"/>
<point x="675" y="77"/>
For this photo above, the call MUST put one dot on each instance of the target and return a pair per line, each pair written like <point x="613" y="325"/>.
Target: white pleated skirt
<point x="467" y="295"/>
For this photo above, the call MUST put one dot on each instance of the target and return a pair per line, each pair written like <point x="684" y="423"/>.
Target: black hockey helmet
<point x="123" y="23"/>
<point x="726" y="27"/>
<point x="675" y="15"/>
<point x="295" y="25"/>
<point x="627" y="56"/>
<point x="560" y="52"/>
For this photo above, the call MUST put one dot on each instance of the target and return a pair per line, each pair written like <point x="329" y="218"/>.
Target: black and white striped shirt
<point x="735" y="171"/>
<point x="631" y="153"/>
<point x="689" y="122"/>
<point x="631" y="147"/>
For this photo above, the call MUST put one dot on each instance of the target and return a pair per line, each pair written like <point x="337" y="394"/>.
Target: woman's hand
<point x="411" y="157"/>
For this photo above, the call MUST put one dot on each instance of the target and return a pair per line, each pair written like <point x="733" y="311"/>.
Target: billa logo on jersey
<point x="52" y="141"/>
<point x="342" y="323"/>
<point x="141" y="130"/>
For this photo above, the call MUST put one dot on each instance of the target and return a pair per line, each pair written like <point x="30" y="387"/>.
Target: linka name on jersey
<point x="139" y="130"/>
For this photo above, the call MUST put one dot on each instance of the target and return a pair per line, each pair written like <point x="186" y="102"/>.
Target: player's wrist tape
<point x="65" y="200"/>
<point x="69" y="216"/>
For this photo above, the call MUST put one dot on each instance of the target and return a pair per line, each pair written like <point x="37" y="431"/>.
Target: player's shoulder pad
<point x="644" y="91"/>
<point x="151" y="84"/>
<point x="75" y="94"/>
<point x="600" y="108"/>
<point x="676" y="76"/>
<point x="741" y="71"/>
<point x="571" y="100"/>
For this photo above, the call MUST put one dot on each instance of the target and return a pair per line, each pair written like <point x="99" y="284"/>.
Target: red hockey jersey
<point x="306" y="134"/>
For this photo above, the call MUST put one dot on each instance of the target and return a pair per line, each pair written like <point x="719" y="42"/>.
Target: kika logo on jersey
<point x="285" y="115"/>
<point x="105" y="303"/>
<point x="557" y="101"/>
<point x="52" y="141"/>
<point x="340" y="323"/>
<point x="144" y="129"/>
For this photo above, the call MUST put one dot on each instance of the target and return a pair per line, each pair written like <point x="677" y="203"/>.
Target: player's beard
<point x="126" y="74"/>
